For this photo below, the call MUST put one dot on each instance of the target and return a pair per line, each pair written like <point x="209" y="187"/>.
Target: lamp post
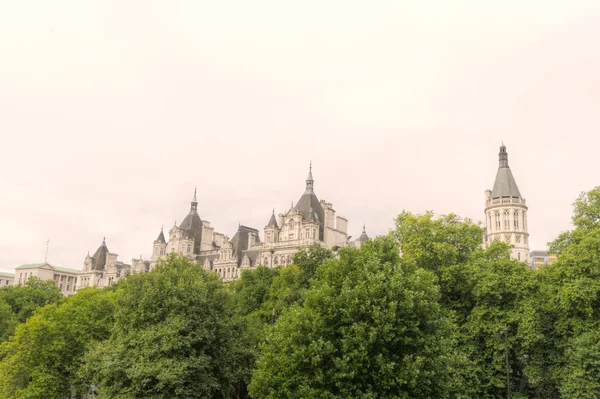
<point x="497" y="335"/>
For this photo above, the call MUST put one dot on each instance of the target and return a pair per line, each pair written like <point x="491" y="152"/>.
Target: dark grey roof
<point x="309" y="200"/>
<point x="99" y="257"/>
<point x="306" y="202"/>
<point x="312" y="216"/>
<point x="363" y="237"/>
<point x="505" y="184"/>
<point x="252" y="254"/>
<point x="273" y="221"/>
<point x="161" y="237"/>
<point x="192" y="225"/>
<point x="240" y="241"/>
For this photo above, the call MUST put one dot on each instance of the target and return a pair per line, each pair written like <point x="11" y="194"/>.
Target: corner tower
<point x="506" y="212"/>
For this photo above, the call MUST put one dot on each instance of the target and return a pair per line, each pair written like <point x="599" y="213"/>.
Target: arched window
<point x="497" y="215"/>
<point x="506" y="220"/>
<point x="289" y="259"/>
<point x="266" y="261"/>
<point x="516" y="220"/>
<point x="276" y="261"/>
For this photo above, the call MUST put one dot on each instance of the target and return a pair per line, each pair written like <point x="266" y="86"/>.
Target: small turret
<point x="363" y="237"/>
<point x="273" y="221"/>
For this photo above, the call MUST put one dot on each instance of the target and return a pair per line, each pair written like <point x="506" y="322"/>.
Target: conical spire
<point x="505" y="184"/>
<point x="194" y="203"/>
<point x="161" y="236"/>
<point x="309" y="180"/>
<point x="273" y="221"/>
<point x="363" y="237"/>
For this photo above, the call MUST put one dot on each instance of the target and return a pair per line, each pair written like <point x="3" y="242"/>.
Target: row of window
<point x="506" y="220"/>
<point x="291" y="235"/>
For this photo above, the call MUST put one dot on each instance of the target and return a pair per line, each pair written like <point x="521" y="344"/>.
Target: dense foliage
<point x="411" y="315"/>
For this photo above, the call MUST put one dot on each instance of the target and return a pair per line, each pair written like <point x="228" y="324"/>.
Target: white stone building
<point x="6" y="279"/>
<point x="311" y="221"/>
<point x="64" y="278"/>
<point x="506" y="212"/>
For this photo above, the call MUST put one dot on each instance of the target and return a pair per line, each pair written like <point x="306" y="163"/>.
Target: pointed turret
<point x="505" y="184"/>
<point x="192" y="225"/>
<point x="99" y="257"/>
<point x="309" y="180"/>
<point x="363" y="237"/>
<point x="309" y="200"/>
<point x="506" y="211"/>
<point x="273" y="221"/>
<point x="161" y="237"/>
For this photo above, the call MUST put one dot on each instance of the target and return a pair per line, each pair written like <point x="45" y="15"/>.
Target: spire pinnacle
<point x="364" y="228"/>
<point x="503" y="157"/>
<point x="103" y="240"/>
<point x="309" y="180"/>
<point x="194" y="203"/>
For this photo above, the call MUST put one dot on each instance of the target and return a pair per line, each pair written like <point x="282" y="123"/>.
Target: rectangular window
<point x="516" y="220"/>
<point x="497" y="221"/>
<point x="506" y="221"/>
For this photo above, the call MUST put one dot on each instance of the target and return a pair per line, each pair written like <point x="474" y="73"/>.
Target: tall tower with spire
<point x="506" y="211"/>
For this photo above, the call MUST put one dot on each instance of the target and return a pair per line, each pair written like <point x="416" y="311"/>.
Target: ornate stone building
<point x="309" y="222"/>
<point x="506" y="211"/>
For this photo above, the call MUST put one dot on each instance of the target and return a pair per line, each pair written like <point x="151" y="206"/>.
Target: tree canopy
<point x="370" y="326"/>
<point x="414" y="314"/>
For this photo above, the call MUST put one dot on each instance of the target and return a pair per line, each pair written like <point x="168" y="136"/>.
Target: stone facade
<point x="65" y="279"/>
<point x="6" y="279"/>
<point x="309" y="222"/>
<point x="506" y="212"/>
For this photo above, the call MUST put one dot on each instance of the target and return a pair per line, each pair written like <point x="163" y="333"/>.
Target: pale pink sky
<point x="111" y="112"/>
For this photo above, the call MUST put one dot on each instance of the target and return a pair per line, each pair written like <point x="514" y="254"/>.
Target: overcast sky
<point x="112" y="111"/>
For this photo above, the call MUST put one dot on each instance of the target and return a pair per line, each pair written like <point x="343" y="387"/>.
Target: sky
<point x="111" y="113"/>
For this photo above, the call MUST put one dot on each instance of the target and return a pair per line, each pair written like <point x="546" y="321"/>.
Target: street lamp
<point x="498" y="336"/>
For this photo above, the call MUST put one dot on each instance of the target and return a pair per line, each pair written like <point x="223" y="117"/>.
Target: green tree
<point x="174" y="336"/>
<point x="482" y="290"/>
<point x="43" y="357"/>
<point x="8" y="321"/>
<point x="445" y="246"/>
<point x="570" y="306"/>
<point x="27" y="298"/>
<point x="369" y="326"/>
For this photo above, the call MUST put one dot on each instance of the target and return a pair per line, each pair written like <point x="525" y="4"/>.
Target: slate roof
<point x="99" y="257"/>
<point x="363" y="237"/>
<point x="192" y="226"/>
<point x="240" y="241"/>
<point x="161" y="237"/>
<point x="505" y="184"/>
<point x="8" y="275"/>
<point x="273" y="221"/>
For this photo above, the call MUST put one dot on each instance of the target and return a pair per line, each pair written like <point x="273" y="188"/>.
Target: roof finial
<point x="364" y="229"/>
<point x="503" y="156"/>
<point x="194" y="203"/>
<point x="104" y="240"/>
<point x="309" y="180"/>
